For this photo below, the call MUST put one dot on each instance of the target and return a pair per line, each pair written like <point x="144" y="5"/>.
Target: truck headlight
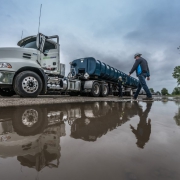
<point x="5" y="65"/>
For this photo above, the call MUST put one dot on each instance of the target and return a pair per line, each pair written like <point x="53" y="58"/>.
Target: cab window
<point x="31" y="43"/>
<point x="48" y="46"/>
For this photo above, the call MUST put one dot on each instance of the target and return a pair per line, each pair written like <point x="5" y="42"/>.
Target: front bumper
<point x="6" y="77"/>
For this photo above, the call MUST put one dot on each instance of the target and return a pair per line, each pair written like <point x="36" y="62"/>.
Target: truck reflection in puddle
<point x="97" y="120"/>
<point x="33" y="133"/>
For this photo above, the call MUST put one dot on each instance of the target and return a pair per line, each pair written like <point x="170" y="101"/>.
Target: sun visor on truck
<point x="22" y="41"/>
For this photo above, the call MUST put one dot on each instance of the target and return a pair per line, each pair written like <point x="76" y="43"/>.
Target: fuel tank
<point x="99" y="70"/>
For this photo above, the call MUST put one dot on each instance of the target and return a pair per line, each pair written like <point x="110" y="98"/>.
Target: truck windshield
<point x="31" y="43"/>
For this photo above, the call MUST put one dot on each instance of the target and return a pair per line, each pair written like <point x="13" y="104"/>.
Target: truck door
<point x="49" y="49"/>
<point x="50" y="57"/>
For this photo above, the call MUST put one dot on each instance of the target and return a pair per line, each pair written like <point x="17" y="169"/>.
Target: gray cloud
<point x="108" y="31"/>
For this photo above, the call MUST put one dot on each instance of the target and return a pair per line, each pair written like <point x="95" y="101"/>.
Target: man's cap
<point x="137" y="54"/>
<point x="120" y="77"/>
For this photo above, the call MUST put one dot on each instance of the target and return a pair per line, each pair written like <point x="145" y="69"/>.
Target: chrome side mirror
<point x="40" y="41"/>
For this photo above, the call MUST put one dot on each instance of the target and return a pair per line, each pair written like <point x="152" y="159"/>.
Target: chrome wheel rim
<point x="30" y="84"/>
<point x="105" y="90"/>
<point x="131" y="92"/>
<point x="30" y="117"/>
<point x="96" y="89"/>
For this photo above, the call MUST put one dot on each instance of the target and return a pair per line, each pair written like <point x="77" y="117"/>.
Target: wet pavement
<point x="91" y="141"/>
<point x="57" y="99"/>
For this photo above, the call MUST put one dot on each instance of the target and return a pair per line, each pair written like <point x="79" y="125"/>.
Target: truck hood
<point x="18" y="53"/>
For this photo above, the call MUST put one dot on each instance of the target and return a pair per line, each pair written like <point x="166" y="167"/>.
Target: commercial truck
<point x="34" y="68"/>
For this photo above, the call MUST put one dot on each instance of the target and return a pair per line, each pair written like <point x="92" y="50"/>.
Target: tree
<point x="158" y="93"/>
<point x="164" y="91"/>
<point x="176" y="74"/>
<point x="176" y="91"/>
<point x="152" y="90"/>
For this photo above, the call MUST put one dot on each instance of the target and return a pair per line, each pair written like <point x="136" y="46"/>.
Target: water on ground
<point x="91" y="141"/>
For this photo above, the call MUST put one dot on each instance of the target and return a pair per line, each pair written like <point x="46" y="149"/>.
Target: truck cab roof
<point x="25" y="40"/>
<point x="30" y="42"/>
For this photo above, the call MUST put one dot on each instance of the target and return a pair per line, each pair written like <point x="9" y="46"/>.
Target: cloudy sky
<point x="109" y="30"/>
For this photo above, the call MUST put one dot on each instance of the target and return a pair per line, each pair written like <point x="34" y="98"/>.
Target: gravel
<point x="58" y="99"/>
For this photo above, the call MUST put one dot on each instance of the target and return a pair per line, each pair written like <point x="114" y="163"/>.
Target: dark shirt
<point x="141" y="66"/>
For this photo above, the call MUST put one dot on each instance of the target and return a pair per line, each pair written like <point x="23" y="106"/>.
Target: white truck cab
<point x="33" y="68"/>
<point x="48" y="58"/>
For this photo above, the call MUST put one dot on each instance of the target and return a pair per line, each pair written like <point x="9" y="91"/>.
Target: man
<point x="120" y="83"/>
<point x="142" y="71"/>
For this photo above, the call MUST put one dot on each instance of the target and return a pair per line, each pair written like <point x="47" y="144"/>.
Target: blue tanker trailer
<point x="98" y="78"/>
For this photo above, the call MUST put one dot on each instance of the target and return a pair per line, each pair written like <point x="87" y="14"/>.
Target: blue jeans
<point x="142" y="84"/>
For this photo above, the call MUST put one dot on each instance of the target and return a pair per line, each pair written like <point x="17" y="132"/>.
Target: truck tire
<point x="28" y="84"/>
<point x="7" y="92"/>
<point x="95" y="91"/>
<point x="104" y="90"/>
<point x="29" y="121"/>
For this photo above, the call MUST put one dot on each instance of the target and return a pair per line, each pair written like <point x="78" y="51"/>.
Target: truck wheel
<point x="7" y="92"/>
<point x="104" y="90"/>
<point x="28" y="84"/>
<point x="29" y="121"/>
<point x="95" y="91"/>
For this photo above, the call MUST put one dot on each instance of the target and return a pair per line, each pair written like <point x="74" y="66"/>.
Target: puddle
<point x="101" y="140"/>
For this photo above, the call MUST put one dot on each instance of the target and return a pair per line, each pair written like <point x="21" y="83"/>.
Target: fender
<point x="88" y="84"/>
